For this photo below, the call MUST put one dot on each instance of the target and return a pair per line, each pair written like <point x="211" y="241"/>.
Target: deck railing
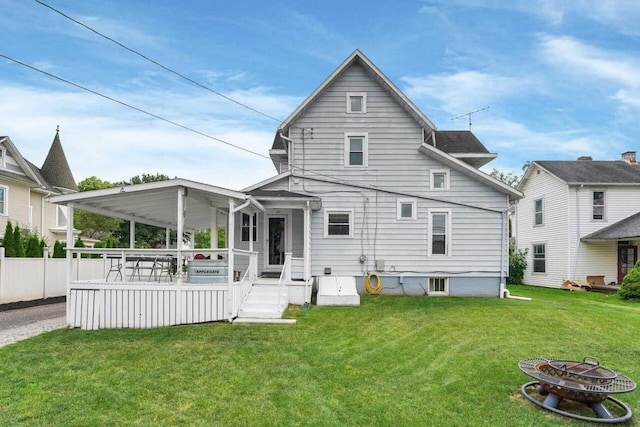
<point x="126" y="294"/>
<point x="285" y="277"/>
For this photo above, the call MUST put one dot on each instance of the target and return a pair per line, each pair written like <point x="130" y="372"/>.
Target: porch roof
<point x="156" y="203"/>
<point x="625" y="229"/>
<point x="285" y="197"/>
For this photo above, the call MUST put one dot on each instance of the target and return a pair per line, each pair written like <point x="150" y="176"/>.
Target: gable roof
<point x="591" y="172"/>
<point x="625" y="229"/>
<point x="358" y="57"/>
<point x="55" y="168"/>
<point x="23" y="164"/>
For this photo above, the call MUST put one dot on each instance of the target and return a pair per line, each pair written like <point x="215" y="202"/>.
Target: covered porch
<point x="177" y="284"/>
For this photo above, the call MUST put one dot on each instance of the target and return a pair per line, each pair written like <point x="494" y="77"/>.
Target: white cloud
<point x="464" y="91"/>
<point x="114" y="143"/>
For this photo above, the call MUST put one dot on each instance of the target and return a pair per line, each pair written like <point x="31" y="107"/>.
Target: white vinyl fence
<point x="28" y="279"/>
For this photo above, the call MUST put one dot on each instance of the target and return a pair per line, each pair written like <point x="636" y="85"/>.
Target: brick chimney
<point x="630" y="157"/>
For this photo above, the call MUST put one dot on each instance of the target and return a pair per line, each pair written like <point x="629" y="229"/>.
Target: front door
<point x="627" y="257"/>
<point x="276" y="226"/>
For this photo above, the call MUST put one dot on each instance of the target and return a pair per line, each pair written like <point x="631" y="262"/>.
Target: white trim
<point x="365" y="148"/>
<point x="404" y="201"/>
<point x="447" y="247"/>
<point x="446" y="286"/>
<point x="3" y="157"/>
<point x="362" y="95"/>
<point x="267" y="181"/>
<point x="328" y="212"/>
<point x="447" y="174"/>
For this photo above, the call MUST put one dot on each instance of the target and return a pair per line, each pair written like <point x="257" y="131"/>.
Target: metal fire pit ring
<point x="585" y="382"/>
<point x="599" y="409"/>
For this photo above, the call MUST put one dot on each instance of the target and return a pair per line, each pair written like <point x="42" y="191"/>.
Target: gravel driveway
<point x="23" y="323"/>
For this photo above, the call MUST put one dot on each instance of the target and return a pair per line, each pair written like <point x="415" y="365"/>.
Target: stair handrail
<point x="285" y="277"/>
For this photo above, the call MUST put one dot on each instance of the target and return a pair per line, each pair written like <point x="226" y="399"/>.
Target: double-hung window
<point x="356" y="149"/>
<point x="439" y="232"/>
<point x="440" y="179"/>
<point x="4" y="200"/>
<point x="539" y="258"/>
<point x="338" y="223"/>
<point x="598" y="206"/>
<point x="539" y="215"/>
<point x="357" y="102"/>
<point x="247" y="227"/>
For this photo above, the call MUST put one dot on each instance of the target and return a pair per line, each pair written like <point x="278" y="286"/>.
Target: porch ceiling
<point x="156" y="203"/>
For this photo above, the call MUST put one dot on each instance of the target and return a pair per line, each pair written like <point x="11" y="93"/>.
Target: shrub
<point x="630" y="287"/>
<point x="517" y="266"/>
<point x="33" y="247"/>
<point x="18" y="242"/>
<point x="58" y="250"/>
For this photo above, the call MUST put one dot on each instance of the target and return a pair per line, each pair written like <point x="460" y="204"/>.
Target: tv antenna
<point x="461" y="116"/>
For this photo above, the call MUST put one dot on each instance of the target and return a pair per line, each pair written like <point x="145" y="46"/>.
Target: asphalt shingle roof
<point x="593" y="171"/>
<point x="55" y="168"/>
<point x="628" y="228"/>
<point x="458" y="141"/>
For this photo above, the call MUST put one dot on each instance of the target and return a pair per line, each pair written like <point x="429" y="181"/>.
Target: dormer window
<point x="357" y="102"/>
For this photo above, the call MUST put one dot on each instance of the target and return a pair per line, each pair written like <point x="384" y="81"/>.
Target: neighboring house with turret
<point x="25" y="188"/>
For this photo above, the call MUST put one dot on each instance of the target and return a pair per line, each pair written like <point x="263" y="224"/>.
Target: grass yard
<point x="394" y="361"/>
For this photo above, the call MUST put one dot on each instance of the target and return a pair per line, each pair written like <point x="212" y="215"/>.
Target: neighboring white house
<point x="579" y="219"/>
<point x="25" y="188"/>
<point x="371" y="186"/>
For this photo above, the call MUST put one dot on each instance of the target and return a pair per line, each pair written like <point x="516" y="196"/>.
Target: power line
<point x="157" y="63"/>
<point x="132" y="107"/>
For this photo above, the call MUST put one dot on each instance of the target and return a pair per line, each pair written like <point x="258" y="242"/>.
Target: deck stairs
<point x="261" y="304"/>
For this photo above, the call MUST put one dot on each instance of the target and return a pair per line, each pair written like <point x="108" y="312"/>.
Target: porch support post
<point x="307" y="253"/>
<point x="70" y="243"/>
<point x="251" y="232"/>
<point x="167" y="238"/>
<point x="230" y="258"/>
<point x="180" y="231"/>
<point x="213" y="239"/>
<point x="132" y="234"/>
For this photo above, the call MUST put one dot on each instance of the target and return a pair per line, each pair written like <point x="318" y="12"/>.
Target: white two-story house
<point x="579" y="219"/>
<point x="367" y="184"/>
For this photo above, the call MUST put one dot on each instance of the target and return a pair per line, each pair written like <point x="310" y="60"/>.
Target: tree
<point x="147" y="236"/>
<point x="8" y="242"/>
<point x="18" y="242"/>
<point x="93" y="225"/>
<point x="509" y="178"/>
<point x="58" y="250"/>
<point x="34" y="247"/>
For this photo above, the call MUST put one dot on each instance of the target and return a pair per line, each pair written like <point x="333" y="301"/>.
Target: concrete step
<point x="264" y="321"/>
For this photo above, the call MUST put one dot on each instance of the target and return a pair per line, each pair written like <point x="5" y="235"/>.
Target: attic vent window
<point x="357" y="102"/>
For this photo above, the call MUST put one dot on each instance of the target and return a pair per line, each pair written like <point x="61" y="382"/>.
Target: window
<point x="4" y="200"/>
<point x="357" y="102"/>
<point x="538" y="212"/>
<point x="355" y="149"/>
<point x="407" y="209"/>
<point x="438" y="286"/>
<point x="245" y="227"/>
<point x="439" y="233"/>
<point x="338" y="223"/>
<point x="440" y="179"/>
<point x="539" y="258"/>
<point x="598" y="205"/>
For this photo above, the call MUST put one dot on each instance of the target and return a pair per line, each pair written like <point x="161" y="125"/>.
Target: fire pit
<point x="586" y="382"/>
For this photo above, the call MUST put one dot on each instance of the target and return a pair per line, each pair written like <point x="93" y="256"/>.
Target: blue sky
<point x="561" y="78"/>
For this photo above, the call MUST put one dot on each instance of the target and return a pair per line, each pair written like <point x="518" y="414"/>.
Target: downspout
<point x="504" y="292"/>
<point x="69" y="259"/>
<point x="179" y="236"/>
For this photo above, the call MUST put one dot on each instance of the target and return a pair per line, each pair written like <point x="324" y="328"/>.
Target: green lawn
<point x="394" y="361"/>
